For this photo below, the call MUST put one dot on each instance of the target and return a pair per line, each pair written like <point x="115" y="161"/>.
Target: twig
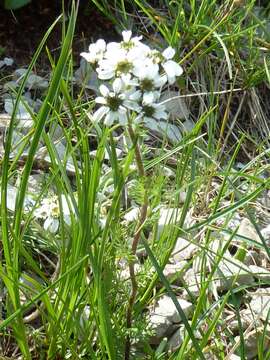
<point x="136" y="239"/>
<point x="203" y="94"/>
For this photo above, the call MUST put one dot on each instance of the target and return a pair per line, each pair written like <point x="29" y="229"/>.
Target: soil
<point x="22" y="30"/>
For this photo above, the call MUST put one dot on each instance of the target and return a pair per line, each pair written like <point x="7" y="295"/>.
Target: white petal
<point x="132" y="105"/>
<point x="100" y="113"/>
<point x="87" y="56"/>
<point x="117" y="85"/>
<point x="105" y="74"/>
<point x="172" y="68"/>
<point x="148" y="98"/>
<point x="168" y="53"/>
<point x="126" y="35"/>
<point x="104" y="90"/>
<point x="160" y="81"/>
<point x="135" y="96"/>
<point x="100" y="100"/>
<point x="51" y="224"/>
<point x="123" y="118"/>
<point x="109" y="118"/>
<point x="101" y="44"/>
<point x="111" y="47"/>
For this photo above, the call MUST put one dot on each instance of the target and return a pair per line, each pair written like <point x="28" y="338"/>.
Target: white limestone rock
<point x="161" y="327"/>
<point x="174" y="272"/>
<point x="166" y="308"/>
<point x="167" y="217"/>
<point x="252" y="341"/>
<point x="192" y="280"/>
<point x="260" y="303"/>
<point x="247" y="230"/>
<point x="248" y="318"/>
<point x="176" y="340"/>
<point x="232" y="273"/>
<point x="183" y="250"/>
<point x="260" y="273"/>
<point x="132" y="215"/>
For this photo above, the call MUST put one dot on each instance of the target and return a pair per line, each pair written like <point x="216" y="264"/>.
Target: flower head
<point x="96" y="52"/>
<point x="136" y="75"/>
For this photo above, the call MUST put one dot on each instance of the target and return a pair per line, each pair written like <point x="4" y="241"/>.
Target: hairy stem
<point x="135" y="242"/>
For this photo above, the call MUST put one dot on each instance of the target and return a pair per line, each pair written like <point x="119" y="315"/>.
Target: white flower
<point x="96" y="52"/>
<point x="115" y="63"/>
<point x="149" y="79"/>
<point x="151" y="111"/>
<point x="115" y="104"/>
<point x="49" y="211"/>
<point x="136" y="75"/>
<point x="171" y="68"/>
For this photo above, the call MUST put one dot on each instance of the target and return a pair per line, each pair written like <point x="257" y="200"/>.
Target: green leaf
<point x="15" y="4"/>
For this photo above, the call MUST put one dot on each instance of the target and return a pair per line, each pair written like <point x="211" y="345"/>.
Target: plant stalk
<point x="135" y="242"/>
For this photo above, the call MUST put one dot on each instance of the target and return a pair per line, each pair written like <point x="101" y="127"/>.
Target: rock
<point x="175" y="105"/>
<point x="234" y="357"/>
<point x="183" y="250"/>
<point x="232" y="273"/>
<point x="192" y="280"/>
<point x="266" y="234"/>
<point x="166" y="308"/>
<point x="173" y="272"/>
<point x="247" y="230"/>
<point x="260" y="303"/>
<point x="11" y="199"/>
<point x="168" y="172"/>
<point x="260" y="273"/>
<point x="176" y="340"/>
<point x="132" y="215"/>
<point x="36" y="183"/>
<point x="167" y="218"/>
<point x="23" y="115"/>
<point x="247" y="318"/>
<point x="187" y="125"/>
<point x="252" y="258"/>
<point x="36" y="82"/>
<point x="165" y="129"/>
<point x="125" y="274"/>
<point x="161" y="327"/>
<point x="252" y="340"/>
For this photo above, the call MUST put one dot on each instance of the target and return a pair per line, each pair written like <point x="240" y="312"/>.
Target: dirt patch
<point x="22" y="30"/>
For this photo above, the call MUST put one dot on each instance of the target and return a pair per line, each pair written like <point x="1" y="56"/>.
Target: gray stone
<point x="176" y="340"/>
<point x="183" y="250"/>
<point x="192" y="281"/>
<point x="260" y="303"/>
<point x="167" y="218"/>
<point x="252" y="258"/>
<point x="252" y="340"/>
<point x="232" y="273"/>
<point x="247" y="318"/>
<point x="175" y="105"/>
<point x="161" y="327"/>
<point x="173" y="272"/>
<point x="260" y="273"/>
<point x="247" y="230"/>
<point x="166" y="308"/>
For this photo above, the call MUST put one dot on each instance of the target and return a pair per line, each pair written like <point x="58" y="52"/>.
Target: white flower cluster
<point x="136" y="75"/>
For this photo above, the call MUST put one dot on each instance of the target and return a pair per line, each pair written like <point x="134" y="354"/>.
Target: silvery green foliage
<point x="135" y="75"/>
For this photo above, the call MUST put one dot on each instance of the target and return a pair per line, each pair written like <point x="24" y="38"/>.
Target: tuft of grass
<point x="76" y="295"/>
